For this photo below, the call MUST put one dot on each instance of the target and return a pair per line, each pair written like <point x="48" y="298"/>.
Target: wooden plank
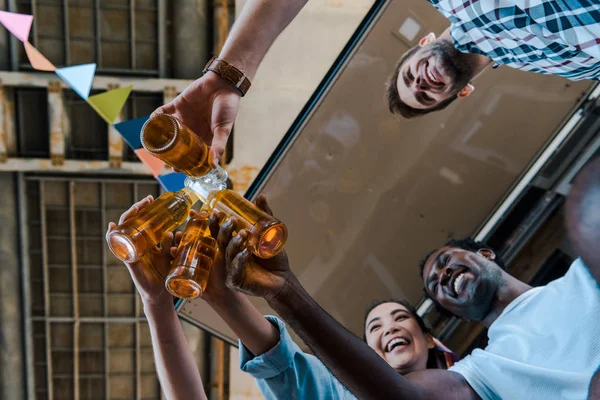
<point x="25" y="79"/>
<point x="79" y="166"/>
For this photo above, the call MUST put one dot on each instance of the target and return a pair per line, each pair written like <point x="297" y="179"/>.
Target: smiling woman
<point x="395" y="331"/>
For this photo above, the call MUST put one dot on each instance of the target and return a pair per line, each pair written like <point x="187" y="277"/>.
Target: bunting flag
<point x="131" y="129"/>
<point x="37" y="60"/>
<point x="172" y="182"/>
<point x="18" y="24"/>
<point x="79" y="78"/>
<point x="154" y="164"/>
<point x="109" y="104"/>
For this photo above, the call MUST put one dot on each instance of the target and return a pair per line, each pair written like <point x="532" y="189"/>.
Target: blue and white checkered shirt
<point x="559" y="37"/>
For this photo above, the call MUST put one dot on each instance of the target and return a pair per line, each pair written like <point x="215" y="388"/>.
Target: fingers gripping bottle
<point x="194" y="259"/>
<point x="135" y="237"/>
<point x="267" y="235"/>
<point x="168" y="139"/>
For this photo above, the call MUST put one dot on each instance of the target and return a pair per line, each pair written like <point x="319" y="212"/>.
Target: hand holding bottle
<point x="208" y="107"/>
<point x="244" y="271"/>
<point x="149" y="272"/>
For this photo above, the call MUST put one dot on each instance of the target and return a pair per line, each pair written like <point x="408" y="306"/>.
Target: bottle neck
<point x="190" y="196"/>
<point x="203" y="188"/>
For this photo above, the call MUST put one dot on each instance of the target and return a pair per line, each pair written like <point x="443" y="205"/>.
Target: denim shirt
<point x="285" y="372"/>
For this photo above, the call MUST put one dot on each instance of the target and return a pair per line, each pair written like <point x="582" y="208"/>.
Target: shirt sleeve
<point x="468" y="368"/>
<point x="285" y="372"/>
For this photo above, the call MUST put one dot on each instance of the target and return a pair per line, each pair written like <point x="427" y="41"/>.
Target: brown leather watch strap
<point x="230" y="73"/>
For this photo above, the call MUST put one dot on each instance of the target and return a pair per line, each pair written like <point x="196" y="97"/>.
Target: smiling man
<point x="542" y="341"/>
<point x="547" y="37"/>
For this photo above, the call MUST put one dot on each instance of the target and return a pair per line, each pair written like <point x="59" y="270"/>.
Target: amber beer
<point x="168" y="139"/>
<point x="134" y="238"/>
<point x="267" y="235"/>
<point x="194" y="259"/>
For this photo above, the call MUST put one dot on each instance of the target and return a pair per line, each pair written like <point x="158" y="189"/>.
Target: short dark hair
<point x="396" y="105"/>
<point x="434" y="355"/>
<point x="466" y="244"/>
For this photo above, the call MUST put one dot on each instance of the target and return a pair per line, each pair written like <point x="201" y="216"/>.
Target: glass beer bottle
<point x="193" y="261"/>
<point x="266" y="234"/>
<point x="135" y="237"/>
<point x="168" y="139"/>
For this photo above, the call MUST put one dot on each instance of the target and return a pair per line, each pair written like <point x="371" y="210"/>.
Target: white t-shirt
<point x="545" y="345"/>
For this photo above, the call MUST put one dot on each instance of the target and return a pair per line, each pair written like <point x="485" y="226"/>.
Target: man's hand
<point x="150" y="272"/>
<point x="208" y="107"/>
<point x="243" y="270"/>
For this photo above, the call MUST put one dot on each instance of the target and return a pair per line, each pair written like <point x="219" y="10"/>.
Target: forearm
<point x="250" y="326"/>
<point x="354" y="364"/>
<point x="177" y="371"/>
<point x="255" y="30"/>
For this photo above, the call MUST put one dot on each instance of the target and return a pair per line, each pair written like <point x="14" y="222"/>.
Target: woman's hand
<point x="150" y="272"/>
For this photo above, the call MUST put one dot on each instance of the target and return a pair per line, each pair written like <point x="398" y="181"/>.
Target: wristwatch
<point x="228" y="72"/>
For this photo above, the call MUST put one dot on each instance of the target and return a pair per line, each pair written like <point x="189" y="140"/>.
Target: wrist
<point x="289" y="290"/>
<point x="158" y="305"/>
<point x="224" y="300"/>
<point x="229" y="73"/>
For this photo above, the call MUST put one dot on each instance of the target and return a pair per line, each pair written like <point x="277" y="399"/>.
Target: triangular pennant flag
<point x="37" y="60"/>
<point x="79" y="78"/>
<point x="154" y="164"/>
<point x="172" y="182"/>
<point x="109" y="104"/>
<point x="131" y="129"/>
<point x="18" y="24"/>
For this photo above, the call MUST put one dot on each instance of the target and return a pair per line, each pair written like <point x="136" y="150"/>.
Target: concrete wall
<point x="287" y="77"/>
<point x="12" y="385"/>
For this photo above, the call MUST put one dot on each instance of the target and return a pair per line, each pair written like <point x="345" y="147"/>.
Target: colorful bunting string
<point x="108" y="104"/>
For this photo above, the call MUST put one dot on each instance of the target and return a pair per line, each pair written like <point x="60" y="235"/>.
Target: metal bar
<point x="66" y="31"/>
<point x="40" y="79"/>
<point x="74" y="166"/>
<point x="115" y="140"/>
<point x="26" y="290"/>
<point x="13" y="41"/>
<point x="81" y="179"/>
<point x="104" y="223"/>
<point x="162" y="38"/>
<point x="36" y="31"/>
<point x="132" y="33"/>
<point x="221" y="24"/>
<point x="9" y="119"/>
<point x="3" y="141"/>
<point x="75" y="288"/>
<point x="98" y="33"/>
<point x="49" y="382"/>
<point x="91" y="320"/>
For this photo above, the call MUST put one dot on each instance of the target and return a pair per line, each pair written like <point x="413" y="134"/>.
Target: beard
<point x="490" y="281"/>
<point x="456" y="65"/>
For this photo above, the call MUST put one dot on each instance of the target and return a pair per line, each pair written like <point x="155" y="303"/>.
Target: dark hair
<point x="434" y="354"/>
<point x="466" y="244"/>
<point x="396" y="105"/>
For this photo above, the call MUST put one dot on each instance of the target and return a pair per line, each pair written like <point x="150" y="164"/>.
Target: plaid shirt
<point x="558" y="37"/>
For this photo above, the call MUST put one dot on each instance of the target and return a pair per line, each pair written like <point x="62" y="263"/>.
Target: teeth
<point x="393" y="342"/>
<point x="431" y="76"/>
<point x="458" y="281"/>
